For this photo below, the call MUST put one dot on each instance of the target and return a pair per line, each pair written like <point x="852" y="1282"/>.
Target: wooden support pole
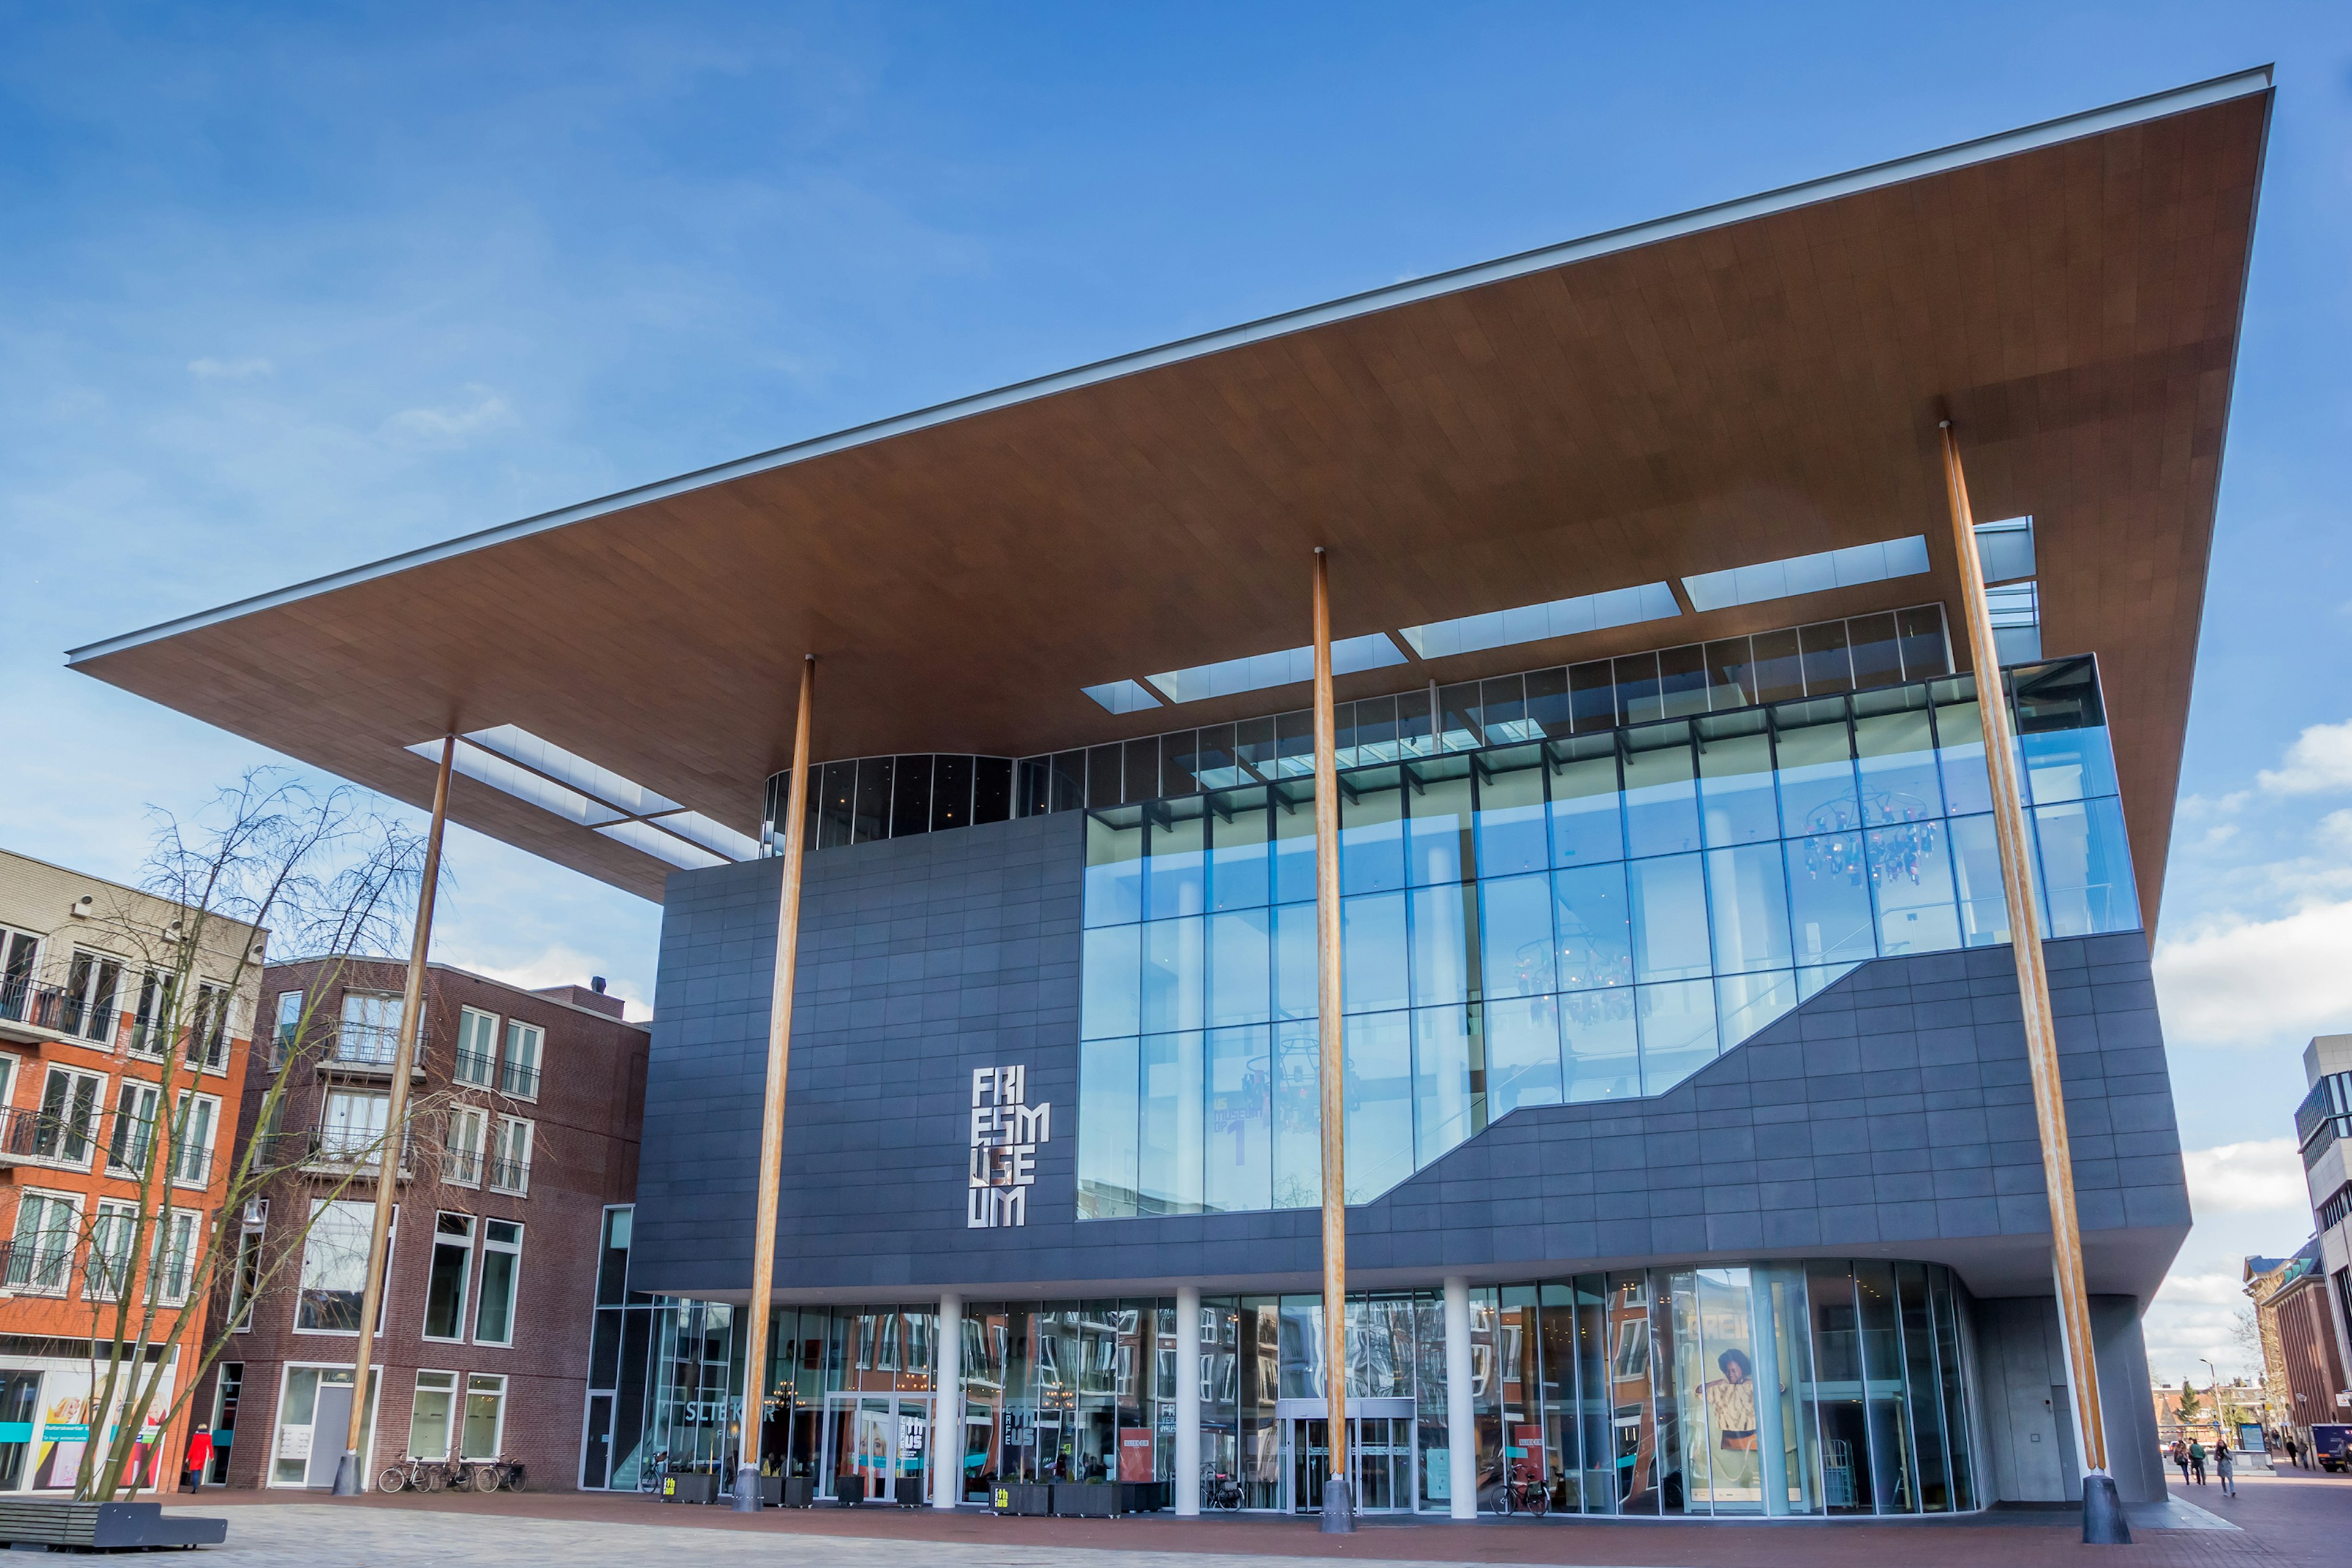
<point x="2032" y="976"/>
<point x="1338" y="1511"/>
<point x="350" y="1481"/>
<point x="771" y="1114"/>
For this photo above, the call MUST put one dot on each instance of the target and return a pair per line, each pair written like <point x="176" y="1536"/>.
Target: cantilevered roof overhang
<point x="1752" y="381"/>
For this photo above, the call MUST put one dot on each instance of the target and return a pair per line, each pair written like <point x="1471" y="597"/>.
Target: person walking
<point x="198" y="1459"/>
<point x="2180" y="1457"/>
<point x="2225" y="1464"/>
<point x="2293" y="1457"/>
<point x="2197" y="1460"/>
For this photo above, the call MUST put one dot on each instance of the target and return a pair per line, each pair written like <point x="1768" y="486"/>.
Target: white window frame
<point x="89" y="1134"/>
<point x="132" y="1161"/>
<point x="114" y="1217"/>
<point x="340" y="1149"/>
<point x="211" y="1025"/>
<point x="285" y="1027"/>
<point x="384" y="1298"/>
<point x="38" y="1263"/>
<point x="10" y="1066"/>
<point x="30" y="973"/>
<point x="498" y="1428"/>
<point x="514" y="1280"/>
<point x="242" y="1291"/>
<point x="277" y="1428"/>
<point x="507" y="1171"/>
<point x="183" y="1146"/>
<point x="521" y="1082"/>
<point x="451" y="1423"/>
<point x="384" y="1037"/>
<point x="85" y="1001"/>
<point x="467" y="1146"/>
<point x="158" y="990"/>
<point x="464" y="1244"/>
<point x="478" y="1042"/>
<point x="187" y="1224"/>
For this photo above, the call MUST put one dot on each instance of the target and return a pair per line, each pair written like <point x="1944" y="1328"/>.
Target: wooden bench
<point x="102" y="1527"/>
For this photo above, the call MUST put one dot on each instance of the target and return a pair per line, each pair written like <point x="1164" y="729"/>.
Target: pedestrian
<point x="2226" y="1464"/>
<point x="199" y="1458"/>
<point x="2197" y="1460"/>
<point x="2180" y="1457"/>
<point x="2294" y="1455"/>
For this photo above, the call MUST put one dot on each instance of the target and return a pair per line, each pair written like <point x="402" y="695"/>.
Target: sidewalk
<point x="2293" y="1519"/>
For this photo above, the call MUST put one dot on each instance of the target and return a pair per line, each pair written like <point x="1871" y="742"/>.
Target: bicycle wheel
<point x="392" y="1477"/>
<point x="485" y="1477"/>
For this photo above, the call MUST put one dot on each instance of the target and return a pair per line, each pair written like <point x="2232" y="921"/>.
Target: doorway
<point x="873" y="1442"/>
<point x="1381" y="1434"/>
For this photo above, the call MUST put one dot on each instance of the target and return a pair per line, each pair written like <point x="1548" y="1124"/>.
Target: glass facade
<point x="867" y="798"/>
<point x="1545" y="922"/>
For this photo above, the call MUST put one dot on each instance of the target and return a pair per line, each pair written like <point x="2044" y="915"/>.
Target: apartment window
<point x="151" y="1026"/>
<point x="353" y="1128"/>
<point x="370" y="1028"/>
<point x="106" y="1272"/>
<point x="429" y="1413"/>
<point x="7" y="1082"/>
<point x="286" y="1035"/>
<point x="18" y="948"/>
<point x="208" y="1030"/>
<point x="477" y="1046"/>
<point x="486" y="1415"/>
<point x="519" y="1074"/>
<point x="192" y="1138"/>
<point x="462" y="1161"/>
<point x="334" y="1268"/>
<point x="245" y="1281"/>
<point x="90" y="987"/>
<point x="445" y="1286"/>
<point x="169" y="1254"/>
<point x="226" y="1393"/>
<point x="511" y="1155"/>
<point x="48" y="1225"/>
<point x="501" y="1268"/>
<point x="67" y="1124"/>
<point x="134" y="1128"/>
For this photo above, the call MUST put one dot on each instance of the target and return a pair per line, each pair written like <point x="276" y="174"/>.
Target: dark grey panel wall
<point x="1890" y="1112"/>
<point x="2028" y="1441"/>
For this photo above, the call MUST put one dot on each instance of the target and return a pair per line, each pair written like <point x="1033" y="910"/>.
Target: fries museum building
<point x="1690" y="1156"/>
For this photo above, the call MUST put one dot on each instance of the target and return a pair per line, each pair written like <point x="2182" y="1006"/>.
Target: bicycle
<point x="1526" y="1494"/>
<point x="650" y="1478"/>
<point x="413" y="1474"/>
<point x="1218" y="1490"/>
<point x="492" y="1475"/>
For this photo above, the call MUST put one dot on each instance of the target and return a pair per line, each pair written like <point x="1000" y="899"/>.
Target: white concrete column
<point x="1461" y="1411"/>
<point x="1188" y="1401"/>
<point x="947" y="1405"/>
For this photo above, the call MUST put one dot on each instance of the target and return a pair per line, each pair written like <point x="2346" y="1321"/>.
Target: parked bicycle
<point x="503" y="1473"/>
<point x="1526" y="1494"/>
<point x="649" y="1477"/>
<point x="413" y="1475"/>
<point x="1218" y="1490"/>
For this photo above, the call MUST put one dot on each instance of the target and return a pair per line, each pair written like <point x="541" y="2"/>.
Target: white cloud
<point x="2216" y="1289"/>
<point x="2239" y="1178"/>
<point x="228" y="369"/>
<point x="2320" y="759"/>
<point x="451" y="426"/>
<point x="554" y="967"/>
<point x="2247" y="982"/>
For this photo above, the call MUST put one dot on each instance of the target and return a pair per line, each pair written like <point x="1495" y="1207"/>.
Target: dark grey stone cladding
<point x="1891" y="1114"/>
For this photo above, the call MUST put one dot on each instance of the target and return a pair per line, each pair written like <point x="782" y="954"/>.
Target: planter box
<point x="1143" y="1497"/>
<point x="906" y="1491"/>
<point x="1028" y="1499"/>
<point x="1085" y="1500"/>
<point x="799" y="1492"/>
<point x="772" y="1491"/>
<point x="689" y="1488"/>
<point x="849" y="1491"/>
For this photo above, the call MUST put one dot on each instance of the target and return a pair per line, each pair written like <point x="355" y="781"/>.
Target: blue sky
<point x="286" y="288"/>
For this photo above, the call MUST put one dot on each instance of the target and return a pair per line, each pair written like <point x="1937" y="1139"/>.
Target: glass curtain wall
<point x="1587" y="918"/>
<point x="1072" y="1390"/>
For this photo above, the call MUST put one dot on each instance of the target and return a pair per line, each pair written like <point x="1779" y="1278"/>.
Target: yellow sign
<point x="669" y="1486"/>
<point x="1004" y="1497"/>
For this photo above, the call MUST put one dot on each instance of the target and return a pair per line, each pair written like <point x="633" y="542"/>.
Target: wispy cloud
<point x="2239" y="1178"/>
<point x="2319" y="760"/>
<point x="228" y="369"/>
<point x="453" y="424"/>
<point x="2235" y="981"/>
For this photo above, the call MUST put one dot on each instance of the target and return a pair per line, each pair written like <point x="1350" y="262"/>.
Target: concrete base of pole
<point x="747" y="1490"/>
<point x="2103" y="1513"/>
<point x="347" y="1475"/>
<point x="1339" y="1508"/>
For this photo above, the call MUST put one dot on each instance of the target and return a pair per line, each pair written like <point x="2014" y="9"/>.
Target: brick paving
<point x="2294" y="1519"/>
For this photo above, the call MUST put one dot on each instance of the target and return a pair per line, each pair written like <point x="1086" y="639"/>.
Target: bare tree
<point x="329" y="875"/>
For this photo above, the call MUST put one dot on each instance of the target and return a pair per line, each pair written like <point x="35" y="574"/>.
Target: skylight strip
<point x="520" y="782"/>
<point x="716" y="837"/>
<point x="1287" y="667"/>
<point x="1535" y="623"/>
<point x="1122" y="696"/>
<point x="521" y="745"/>
<point x="669" y="847"/>
<point x="1783" y="579"/>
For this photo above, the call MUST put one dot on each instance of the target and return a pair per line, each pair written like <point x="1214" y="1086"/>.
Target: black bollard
<point x="1338" y="1509"/>
<point x="747" y="1490"/>
<point x="2103" y="1513"/>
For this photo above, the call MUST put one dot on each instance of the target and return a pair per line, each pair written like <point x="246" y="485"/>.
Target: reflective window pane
<point x="1175" y="973"/>
<point x="1592" y="922"/>
<point x="1107" y="1111"/>
<point x="1522" y="1039"/>
<point x="1828" y="669"/>
<point x="1515" y="937"/>
<point x="1749" y="897"/>
<point x="1442" y="922"/>
<point x="1512" y="837"/>
<point x="1829" y="915"/>
<point x="1747" y="1003"/>
<point x="1588" y="814"/>
<point x="1371" y="831"/>
<point x="1239" y="1167"/>
<point x="1975" y="866"/>
<point x="1682" y="681"/>
<point x="1240" y="863"/>
<point x="1240" y="953"/>
<point x="1736" y="785"/>
<point x="1438" y="826"/>
<point x="1373" y="966"/>
<point x="2067" y="764"/>
<point x="1669" y="917"/>
<point x="1110" y="975"/>
<point x="1379" y="1148"/>
<point x="1114" y="880"/>
<point x="1445" y="1111"/>
<point x="1959" y="738"/>
<point x="1297" y="1116"/>
<point x="1897" y="753"/>
<point x="1294" y="976"/>
<point x="1600" y="1049"/>
<point x="2086" y="868"/>
<point x="1911" y="882"/>
<point x="1167" y="1155"/>
<point x="1816" y="757"/>
<point x="1660" y="792"/>
<point x="1677" y="1032"/>
<point x="1293" y="810"/>
<point x="1780" y="669"/>
<point x="1175" y="870"/>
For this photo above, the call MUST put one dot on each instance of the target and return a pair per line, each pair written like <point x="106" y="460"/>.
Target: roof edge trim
<point x="1983" y="149"/>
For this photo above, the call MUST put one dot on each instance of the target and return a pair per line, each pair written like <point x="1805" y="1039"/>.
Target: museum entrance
<point x="874" y="1445"/>
<point x="1380" y="1454"/>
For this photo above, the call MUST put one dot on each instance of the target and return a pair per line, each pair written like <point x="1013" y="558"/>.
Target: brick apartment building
<point x="526" y="1111"/>
<point x="88" y="972"/>
<point x="2298" y="1330"/>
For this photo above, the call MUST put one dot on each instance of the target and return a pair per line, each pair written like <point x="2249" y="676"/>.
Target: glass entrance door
<point x="872" y="1441"/>
<point x="1311" y="1463"/>
<point x="1380" y="1461"/>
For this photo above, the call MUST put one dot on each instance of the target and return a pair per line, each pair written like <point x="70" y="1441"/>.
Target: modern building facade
<point x="92" y="1038"/>
<point x="1692" y="1165"/>
<point x="2323" y="1127"/>
<point x="526" y="1106"/>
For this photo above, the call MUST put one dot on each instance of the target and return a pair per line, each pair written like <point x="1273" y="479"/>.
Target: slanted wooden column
<point x="2032" y="989"/>
<point x="350" y="1478"/>
<point x="771" y="1114"/>
<point x="1339" y="1500"/>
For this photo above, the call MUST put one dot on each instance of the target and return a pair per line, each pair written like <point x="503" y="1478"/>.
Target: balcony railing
<point x="463" y="1166"/>
<point x="34" y="1267"/>
<point x="518" y="1080"/>
<point x="27" y="1133"/>
<point x="509" y="1175"/>
<point x="475" y="1068"/>
<point x="26" y="1001"/>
